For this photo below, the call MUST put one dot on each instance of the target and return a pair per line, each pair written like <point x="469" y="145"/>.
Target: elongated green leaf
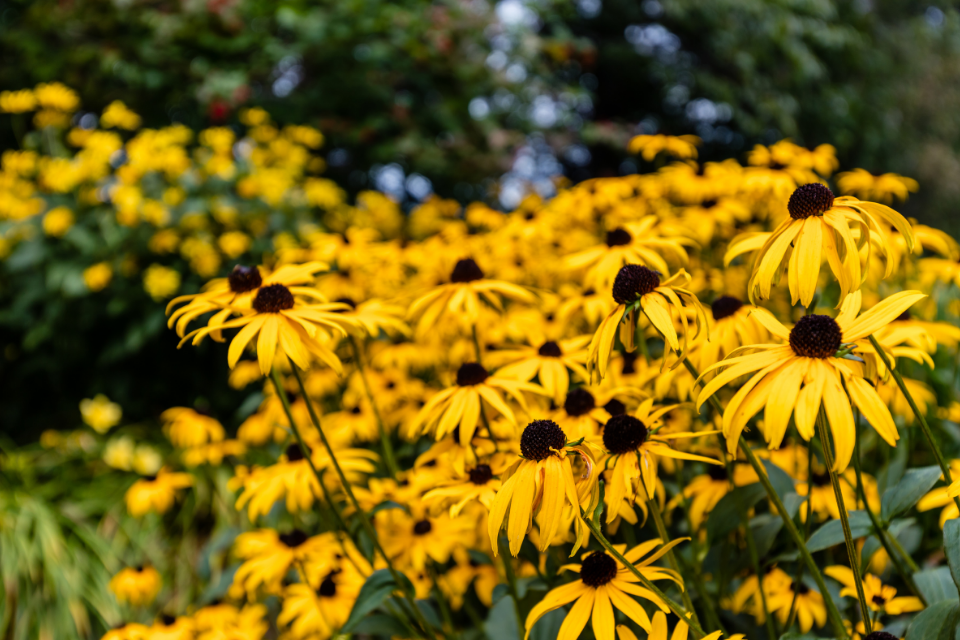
<point x="501" y="622"/>
<point x="374" y="591"/>
<point x="951" y="545"/>
<point x="831" y="533"/>
<point x="936" y="585"/>
<point x="932" y="621"/>
<point x="903" y="495"/>
<point x="548" y="627"/>
<point x="725" y="517"/>
<point x="781" y="481"/>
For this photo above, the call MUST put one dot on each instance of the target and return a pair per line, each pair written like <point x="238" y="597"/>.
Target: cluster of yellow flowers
<point x="442" y="389"/>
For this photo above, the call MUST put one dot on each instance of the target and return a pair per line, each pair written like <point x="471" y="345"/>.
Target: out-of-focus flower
<point x="99" y="413"/>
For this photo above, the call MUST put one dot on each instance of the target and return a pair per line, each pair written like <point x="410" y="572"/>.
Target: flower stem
<point x="833" y="613"/>
<point x="671" y="604"/>
<point x="672" y="559"/>
<point x="806" y="535"/>
<point x="512" y="585"/>
<point x="348" y="489"/>
<point x="928" y="434"/>
<point x="389" y="458"/>
<point x="844" y="520"/>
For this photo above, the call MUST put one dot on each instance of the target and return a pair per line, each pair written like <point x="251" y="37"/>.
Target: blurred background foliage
<point x="470" y="100"/>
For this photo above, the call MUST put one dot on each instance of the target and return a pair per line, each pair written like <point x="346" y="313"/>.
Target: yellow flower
<point x="809" y="360"/>
<point x="660" y="631"/>
<point x="17" y="101"/>
<point x="160" y="281"/>
<point x="99" y="413"/>
<point x="98" y="276"/>
<point x="551" y="361"/>
<point x="138" y="586"/>
<point x="541" y="482"/>
<point x="317" y="614"/>
<point x="879" y="597"/>
<point x="940" y="497"/>
<point x="268" y="556"/>
<point x="117" y="115"/>
<point x="234" y="243"/>
<point x="604" y="585"/>
<point x="186" y="428"/>
<point x="884" y="188"/>
<point x="57" y="221"/>
<point x="683" y="147"/>
<point x="155" y="493"/>
<point x="413" y="539"/>
<point x="638" y="289"/>
<point x="807" y="603"/>
<point x="819" y="227"/>
<point x="55" y="95"/>
<point x="477" y="484"/>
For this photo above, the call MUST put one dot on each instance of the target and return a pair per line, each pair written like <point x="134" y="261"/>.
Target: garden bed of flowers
<point x="711" y="400"/>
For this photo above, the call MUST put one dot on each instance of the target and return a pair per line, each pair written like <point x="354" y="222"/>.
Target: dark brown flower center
<point x="708" y="204"/>
<point x="244" y="279"/>
<point x="273" y="298"/>
<point x="623" y="434"/>
<point x="633" y="281"/>
<point x="293" y="539"/>
<point x="328" y="588"/>
<point x="615" y="407"/>
<point x="809" y="200"/>
<point x="816" y="336"/>
<point x="481" y="474"/>
<point x="471" y="373"/>
<point x="539" y="437"/>
<point x="880" y="635"/>
<point x="598" y="569"/>
<point x="879" y="600"/>
<point x="716" y="472"/>
<point x="904" y="316"/>
<point x="550" y="349"/>
<point x="725" y="306"/>
<point x="466" y="270"/>
<point x="422" y="528"/>
<point x="629" y="363"/>
<point x="618" y="237"/>
<point x="294" y="453"/>
<point x="799" y="588"/>
<point x="579" y="402"/>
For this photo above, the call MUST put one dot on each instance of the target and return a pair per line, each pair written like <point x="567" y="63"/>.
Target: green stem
<point x="806" y="534"/>
<point x="441" y="599"/>
<point x="844" y="520"/>
<point x="389" y="458"/>
<point x="671" y="604"/>
<point x="671" y="558"/>
<point x="348" y="489"/>
<point x="833" y="613"/>
<point x="512" y="586"/>
<point x="928" y="434"/>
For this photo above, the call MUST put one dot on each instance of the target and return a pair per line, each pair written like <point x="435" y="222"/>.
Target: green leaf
<point x="501" y="622"/>
<point x="902" y="496"/>
<point x="379" y="624"/>
<point x="725" y="517"/>
<point x="781" y="481"/>
<point x="936" y="585"/>
<point x="933" y="621"/>
<point x="374" y="591"/>
<point x="951" y="545"/>
<point x="831" y="533"/>
<point x="548" y="627"/>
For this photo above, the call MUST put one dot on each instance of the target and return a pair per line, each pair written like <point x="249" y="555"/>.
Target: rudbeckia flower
<point x="879" y="597"/>
<point x="661" y="632"/>
<point x="269" y="555"/>
<point x="747" y="596"/>
<point x="460" y="406"/>
<point x="461" y="297"/>
<point x="284" y="324"/>
<point x="807" y="603"/>
<point x="411" y="539"/>
<point x="237" y="291"/>
<point x="941" y="497"/>
<point x="633" y="448"/>
<point x="156" y="493"/>
<point x="638" y="289"/>
<point x="478" y="484"/>
<point x="649" y="146"/>
<point x="541" y="482"/>
<point x="703" y="493"/>
<point x="819" y="227"/>
<point x="635" y="243"/>
<point x="884" y="188"/>
<point x="310" y="613"/>
<point x="733" y="327"/>
<point x="186" y="428"/>
<point x="606" y="584"/>
<point x="552" y="362"/>
<point x="581" y="416"/>
<point x="376" y="316"/>
<point x="808" y="360"/>
<point x="136" y="586"/>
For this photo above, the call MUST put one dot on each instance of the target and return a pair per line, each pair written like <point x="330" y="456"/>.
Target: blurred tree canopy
<point x="478" y="100"/>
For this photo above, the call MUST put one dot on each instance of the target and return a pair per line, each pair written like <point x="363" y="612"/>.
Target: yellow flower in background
<point x="879" y="597"/>
<point x="58" y="96"/>
<point x="649" y="146"/>
<point x="117" y="115"/>
<point x="660" y="631"/>
<point x="156" y="493"/>
<point x="161" y="282"/>
<point x="98" y="276"/>
<point x="57" y="221"/>
<point x="18" y="101"/>
<point x="234" y="244"/>
<point x="186" y="428"/>
<point x="99" y="413"/>
<point x="883" y="188"/>
<point x="136" y="586"/>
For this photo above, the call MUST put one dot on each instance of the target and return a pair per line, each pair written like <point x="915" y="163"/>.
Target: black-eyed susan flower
<point x="775" y="581"/>
<point x="794" y="379"/>
<point x="478" y="485"/>
<point x="460" y="406"/>
<point x="633" y="447"/>
<point x="660" y="631"/>
<point x="581" y="416"/>
<point x="283" y="324"/>
<point x="807" y="604"/>
<point x="268" y="556"/>
<point x="819" y="228"/>
<point x="733" y="327"/>
<point x="606" y="584"/>
<point x="156" y="493"/>
<point x="650" y="145"/>
<point x="637" y="290"/>
<point x="137" y="586"/>
<point x="880" y="597"/>
<point x="883" y="188"/>
<point x="552" y="361"/>
<point x="411" y="539"/>
<point x="310" y="613"/>
<point x="541" y="482"/>
<point x="186" y="428"/>
<point x="228" y="621"/>
<point x="940" y="497"/>
<point x="99" y="413"/>
<point x="376" y="316"/>
<point x="461" y="297"/>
